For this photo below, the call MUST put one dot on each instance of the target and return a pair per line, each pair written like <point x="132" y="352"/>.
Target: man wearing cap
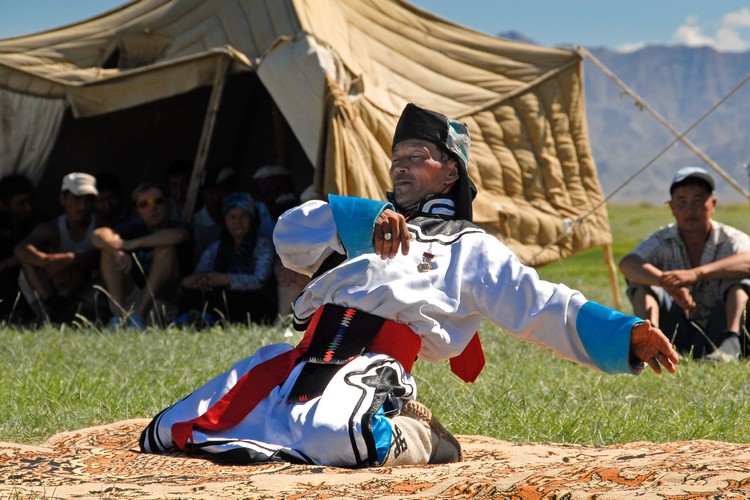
<point x="57" y="258"/>
<point x="690" y="278"/>
<point x="392" y="281"/>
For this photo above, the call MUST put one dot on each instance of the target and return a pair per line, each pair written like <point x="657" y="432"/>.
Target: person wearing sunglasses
<point x="143" y="260"/>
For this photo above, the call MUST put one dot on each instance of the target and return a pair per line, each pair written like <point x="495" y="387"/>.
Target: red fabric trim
<point x="393" y="339"/>
<point x="249" y="390"/>
<point x="470" y="363"/>
<point x="240" y="400"/>
<point x="398" y="341"/>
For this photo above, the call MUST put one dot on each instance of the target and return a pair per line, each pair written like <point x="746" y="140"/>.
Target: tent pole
<point x="612" y="269"/>
<point x="209" y="123"/>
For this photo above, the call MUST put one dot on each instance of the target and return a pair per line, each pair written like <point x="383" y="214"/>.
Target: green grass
<point x="56" y="380"/>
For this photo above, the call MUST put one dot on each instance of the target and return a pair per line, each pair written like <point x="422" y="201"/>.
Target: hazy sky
<point x="616" y="24"/>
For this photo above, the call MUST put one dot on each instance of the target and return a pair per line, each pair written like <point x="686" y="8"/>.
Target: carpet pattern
<point x="103" y="462"/>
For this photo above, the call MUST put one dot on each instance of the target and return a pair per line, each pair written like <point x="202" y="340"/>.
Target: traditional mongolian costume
<point x="336" y="398"/>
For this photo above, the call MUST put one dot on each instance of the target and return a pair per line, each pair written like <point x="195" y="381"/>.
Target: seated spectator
<point x="682" y="278"/>
<point x="207" y="221"/>
<point x="108" y="205"/>
<point x="142" y="260"/>
<point x="17" y="219"/>
<point x="275" y="189"/>
<point x="58" y="258"/>
<point x="178" y="181"/>
<point x="233" y="274"/>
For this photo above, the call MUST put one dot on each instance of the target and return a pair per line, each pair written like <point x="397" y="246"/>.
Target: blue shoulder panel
<point x="355" y="221"/>
<point x="605" y="334"/>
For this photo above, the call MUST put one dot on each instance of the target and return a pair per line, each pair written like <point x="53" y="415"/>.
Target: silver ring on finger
<point x="387" y="236"/>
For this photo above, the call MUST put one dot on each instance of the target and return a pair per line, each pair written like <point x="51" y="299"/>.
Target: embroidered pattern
<point x="399" y="444"/>
<point x="346" y="321"/>
<point x="341" y="333"/>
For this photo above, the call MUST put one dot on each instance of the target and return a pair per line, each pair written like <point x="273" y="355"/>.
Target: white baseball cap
<point x="79" y="184"/>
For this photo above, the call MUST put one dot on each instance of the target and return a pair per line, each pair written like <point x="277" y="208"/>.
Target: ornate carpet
<point x="103" y="462"/>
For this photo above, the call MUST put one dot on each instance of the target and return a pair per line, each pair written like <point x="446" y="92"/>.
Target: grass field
<point x="53" y="380"/>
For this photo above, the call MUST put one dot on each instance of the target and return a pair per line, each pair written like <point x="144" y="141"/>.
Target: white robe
<point x="468" y="275"/>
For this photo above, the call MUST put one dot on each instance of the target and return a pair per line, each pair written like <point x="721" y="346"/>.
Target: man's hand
<point x="117" y="243"/>
<point x="56" y="263"/>
<point x="205" y="281"/>
<point x="651" y="346"/>
<point x="391" y="233"/>
<point x="123" y="261"/>
<point x="684" y="299"/>
<point x="679" y="277"/>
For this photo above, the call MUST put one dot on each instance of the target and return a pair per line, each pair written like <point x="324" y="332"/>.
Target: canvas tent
<point x="326" y="79"/>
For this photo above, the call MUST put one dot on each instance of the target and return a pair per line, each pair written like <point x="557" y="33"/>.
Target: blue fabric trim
<point x="605" y="334"/>
<point x="355" y="220"/>
<point x="381" y="433"/>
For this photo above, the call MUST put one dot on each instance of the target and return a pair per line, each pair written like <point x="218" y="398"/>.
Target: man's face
<point x="212" y="197"/>
<point x="151" y="207"/>
<point x="417" y="171"/>
<point x="692" y="207"/>
<point x="177" y="186"/>
<point x="270" y="188"/>
<point x="77" y="208"/>
<point x="19" y="207"/>
<point x="107" y="204"/>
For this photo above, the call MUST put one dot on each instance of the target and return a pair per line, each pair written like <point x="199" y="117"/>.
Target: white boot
<point x="418" y="438"/>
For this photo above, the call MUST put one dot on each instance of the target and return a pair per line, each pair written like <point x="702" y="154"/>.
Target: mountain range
<point x="681" y="84"/>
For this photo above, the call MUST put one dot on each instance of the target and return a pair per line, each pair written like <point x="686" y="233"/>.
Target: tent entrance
<point x="140" y="143"/>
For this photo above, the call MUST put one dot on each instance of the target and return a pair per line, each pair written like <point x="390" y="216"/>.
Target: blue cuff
<point x="605" y="334"/>
<point x="355" y="221"/>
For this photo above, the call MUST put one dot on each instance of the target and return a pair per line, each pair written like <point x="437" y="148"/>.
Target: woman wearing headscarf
<point x="233" y="275"/>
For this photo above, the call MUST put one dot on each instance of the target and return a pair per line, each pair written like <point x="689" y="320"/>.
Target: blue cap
<point x="692" y="173"/>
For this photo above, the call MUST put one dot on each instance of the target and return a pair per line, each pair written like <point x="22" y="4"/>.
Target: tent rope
<point x="641" y="104"/>
<point x="679" y="137"/>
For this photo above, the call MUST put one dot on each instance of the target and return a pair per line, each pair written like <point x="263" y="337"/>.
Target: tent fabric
<point x="341" y="71"/>
<point x="28" y="127"/>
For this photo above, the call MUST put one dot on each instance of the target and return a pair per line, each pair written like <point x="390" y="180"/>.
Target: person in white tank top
<point x="58" y="258"/>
